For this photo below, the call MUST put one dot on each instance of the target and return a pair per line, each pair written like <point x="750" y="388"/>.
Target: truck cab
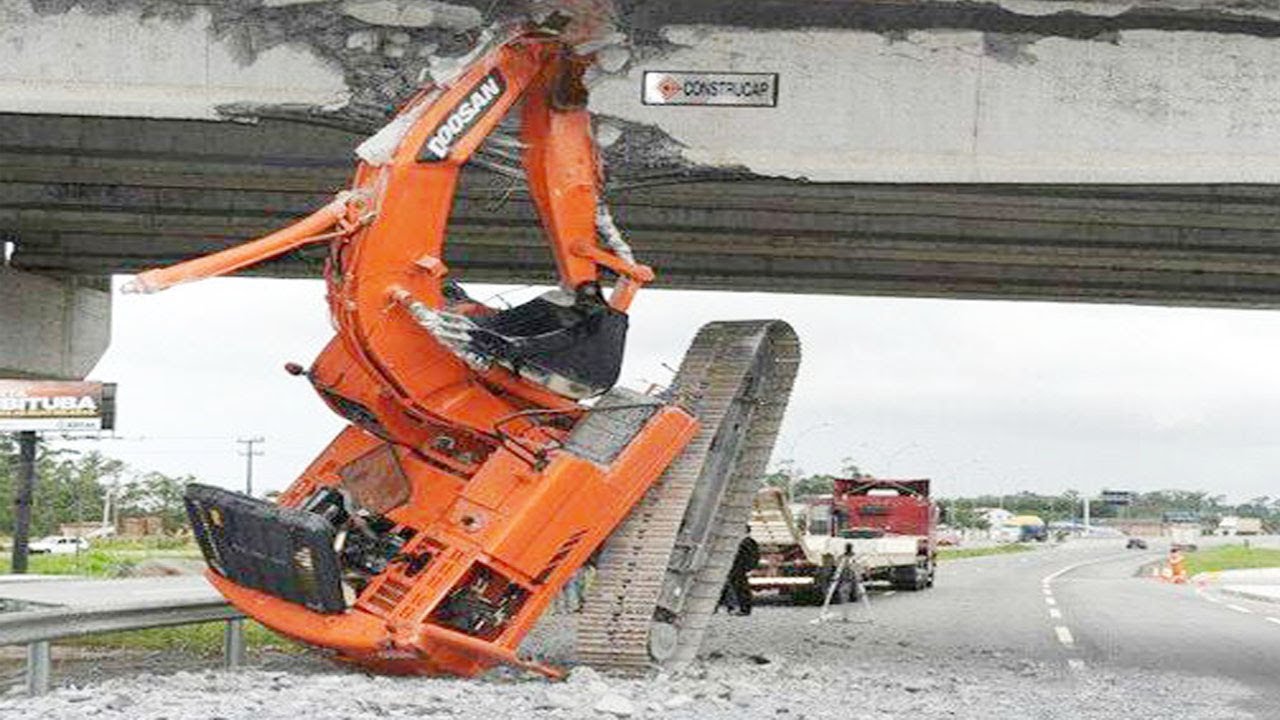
<point x="892" y="507"/>
<point x="900" y="512"/>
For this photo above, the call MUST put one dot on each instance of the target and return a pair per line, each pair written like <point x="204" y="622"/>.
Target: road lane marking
<point x="1047" y="591"/>
<point x="1075" y="664"/>
<point x="1239" y="609"/>
<point x="1050" y="601"/>
<point x="1064" y="635"/>
<point x="1106" y="558"/>
<point x="1055" y="613"/>
<point x="1274" y="620"/>
<point x="887" y="593"/>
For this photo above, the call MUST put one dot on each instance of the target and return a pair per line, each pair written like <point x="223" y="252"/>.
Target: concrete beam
<point x="980" y="91"/>
<point x="52" y="328"/>
<point x="95" y="196"/>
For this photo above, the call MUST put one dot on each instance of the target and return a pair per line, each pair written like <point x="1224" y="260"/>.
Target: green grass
<point x="107" y="558"/>
<point x="93" y="563"/>
<point x="204" y="639"/>
<point x="1231" y="557"/>
<point x="1005" y="549"/>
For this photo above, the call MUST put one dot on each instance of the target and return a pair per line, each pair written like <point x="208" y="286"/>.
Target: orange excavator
<point x="488" y="453"/>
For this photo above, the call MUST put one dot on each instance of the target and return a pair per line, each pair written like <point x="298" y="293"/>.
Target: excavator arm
<point x="435" y="134"/>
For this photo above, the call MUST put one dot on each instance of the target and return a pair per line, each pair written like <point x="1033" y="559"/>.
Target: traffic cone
<point x="1177" y="566"/>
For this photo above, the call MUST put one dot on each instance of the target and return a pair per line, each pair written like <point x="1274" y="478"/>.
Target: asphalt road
<point x="74" y="592"/>
<point x="1121" y="621"/>
<point x="1070" y="611"/>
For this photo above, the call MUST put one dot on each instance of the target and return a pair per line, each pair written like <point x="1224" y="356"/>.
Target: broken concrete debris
<point x="414" y="13"/>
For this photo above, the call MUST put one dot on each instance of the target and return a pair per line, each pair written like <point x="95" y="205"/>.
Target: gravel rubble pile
<point x="852" y="671"/>
<point x="724" y="688"/>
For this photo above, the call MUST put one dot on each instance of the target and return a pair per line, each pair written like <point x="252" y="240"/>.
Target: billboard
<point x="1119" y="498"/>
<point x="56" y="405"/>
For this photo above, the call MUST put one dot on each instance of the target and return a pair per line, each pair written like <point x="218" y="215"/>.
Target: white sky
<point x="981" y="396"/>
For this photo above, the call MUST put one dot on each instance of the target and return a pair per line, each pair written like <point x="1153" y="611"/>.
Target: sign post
<point x="28" y="407"/>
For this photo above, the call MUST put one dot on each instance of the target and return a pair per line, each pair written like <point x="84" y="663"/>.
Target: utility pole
<point x="108" y="505"/>
<point x="249" y="452"/>
<point x="27" y="440"/>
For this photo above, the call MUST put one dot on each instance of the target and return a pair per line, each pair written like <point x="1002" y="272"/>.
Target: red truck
<point x="890" y="525"/>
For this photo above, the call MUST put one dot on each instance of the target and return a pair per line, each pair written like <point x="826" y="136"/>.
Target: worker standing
<point x="737" y="591"/>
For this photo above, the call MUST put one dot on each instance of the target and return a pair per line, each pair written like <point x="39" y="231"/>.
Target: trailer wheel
<point x="903" y="578"/>
<point x="912" y="579"/>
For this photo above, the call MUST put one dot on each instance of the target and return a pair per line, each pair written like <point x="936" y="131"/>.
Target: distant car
<point x="58" y="545"/>
<point x="1136" y="544"/>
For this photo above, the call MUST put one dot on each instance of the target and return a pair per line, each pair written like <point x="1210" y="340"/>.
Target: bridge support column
<point x="53" y="328"/>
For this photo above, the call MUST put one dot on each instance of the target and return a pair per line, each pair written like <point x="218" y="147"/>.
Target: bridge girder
<point x="94" y="196"/>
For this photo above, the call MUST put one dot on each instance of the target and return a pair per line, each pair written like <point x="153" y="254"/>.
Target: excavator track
<point x="660" y="574"/>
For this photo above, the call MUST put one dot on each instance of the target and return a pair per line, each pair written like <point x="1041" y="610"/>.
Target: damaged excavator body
<point x="472" y="480"/>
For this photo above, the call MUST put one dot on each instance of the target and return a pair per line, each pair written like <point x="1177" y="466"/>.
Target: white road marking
<point x="1047" y="591"/>
<point x="1274" y="620"/>
<point x="1058" y="573"/>
<point x="1050" y="601"/>
<point x="1075" y="664"/>
<point x="887" y="593"/>
<point x="1239" y="609"/>
<point x="1055" y="613"/>
<point x="1064" y="635"/>
<point x="1210" y="598"/>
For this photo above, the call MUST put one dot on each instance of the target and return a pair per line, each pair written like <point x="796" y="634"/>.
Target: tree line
<point x="72" y="486"/>
<point x="1066" y="506"/>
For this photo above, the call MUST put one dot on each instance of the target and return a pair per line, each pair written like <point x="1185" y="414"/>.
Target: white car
<point x="59" y="545"/>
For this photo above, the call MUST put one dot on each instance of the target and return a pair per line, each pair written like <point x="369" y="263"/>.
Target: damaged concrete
<point x="939" y="90"/>
<point x="1044" y="18"/>
<point x="383" y="49"/>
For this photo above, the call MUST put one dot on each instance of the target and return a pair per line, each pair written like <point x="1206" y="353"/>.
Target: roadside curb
<point x="1248" y="595"/>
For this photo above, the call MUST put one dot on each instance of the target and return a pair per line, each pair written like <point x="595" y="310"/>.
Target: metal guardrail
<point x="123" y="606"/>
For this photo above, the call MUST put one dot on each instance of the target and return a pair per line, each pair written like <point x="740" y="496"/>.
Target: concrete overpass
<point x="1109" y="151"/>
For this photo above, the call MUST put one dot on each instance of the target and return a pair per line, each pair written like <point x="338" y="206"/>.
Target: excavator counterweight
<point x="488" y="453"/>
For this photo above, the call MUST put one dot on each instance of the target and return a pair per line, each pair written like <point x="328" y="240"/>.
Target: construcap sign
<point x="54" y="405"/>
<point x="663" y="87"/>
